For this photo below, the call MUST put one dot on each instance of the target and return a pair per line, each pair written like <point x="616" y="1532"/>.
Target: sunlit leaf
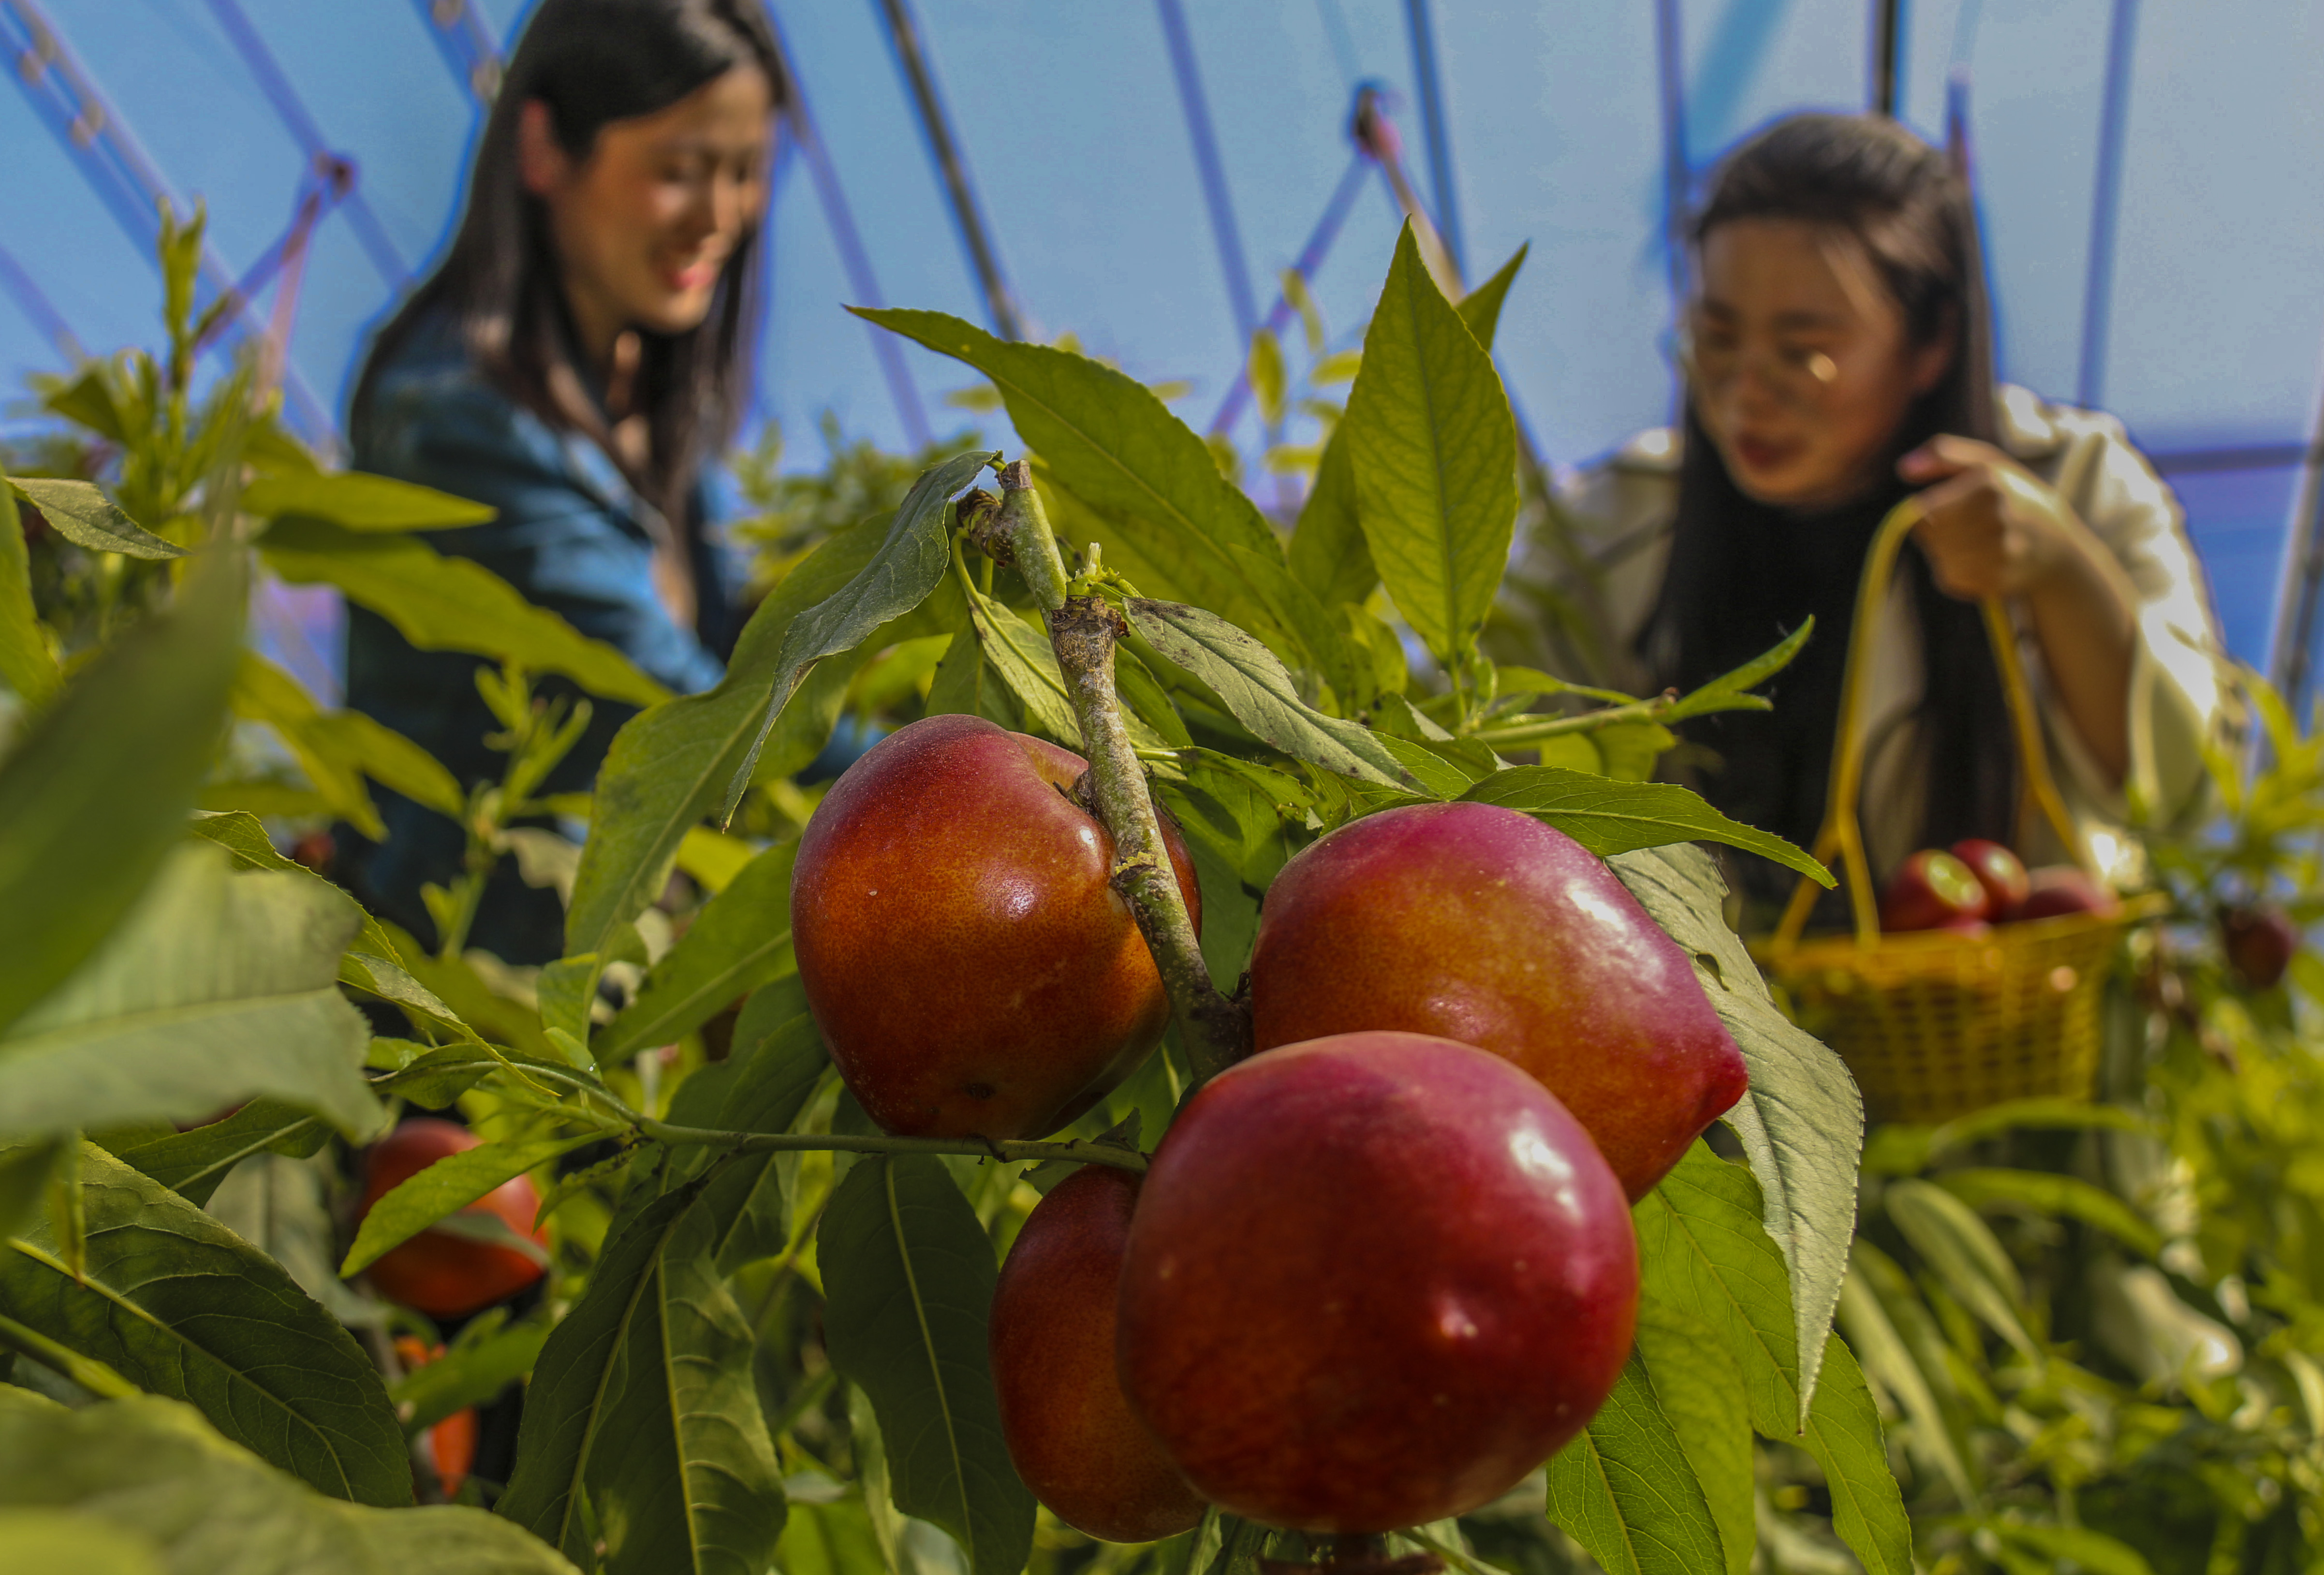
<point x="82" y="514"/>
<point x="360" y="501"/>
<point x="184" y="1308"/>
<point x="192" y="1164"/>
<point x="909" y="1276"/>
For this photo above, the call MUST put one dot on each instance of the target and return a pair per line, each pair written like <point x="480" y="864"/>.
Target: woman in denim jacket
<point x="579" y="356"/>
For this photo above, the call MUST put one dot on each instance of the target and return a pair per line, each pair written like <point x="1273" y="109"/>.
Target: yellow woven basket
<point x="1935" y="1024"/>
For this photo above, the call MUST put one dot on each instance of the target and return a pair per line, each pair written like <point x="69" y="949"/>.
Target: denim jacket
<point x="571" y="536"/>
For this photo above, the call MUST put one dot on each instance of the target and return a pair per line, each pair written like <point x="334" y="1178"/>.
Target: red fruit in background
<point x="453" y="1441"/>
<point x="1480" y="924"/>
<point x="1931" y="889"/>
<point x="2259" y="942"/>
<point x="1069" y="1429"/>
<point x="316" y="851"/>
<point x="970" y="966"/>
<point x="2058" y="889"/>
<point x="1965" y="925"/>
<point x="439" y="1272"/>
<point x="2001" y="872"/>
<point x="1373" y="1280"/>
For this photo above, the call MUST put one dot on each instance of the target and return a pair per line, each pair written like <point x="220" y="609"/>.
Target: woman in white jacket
<point x="1838" y="358"/>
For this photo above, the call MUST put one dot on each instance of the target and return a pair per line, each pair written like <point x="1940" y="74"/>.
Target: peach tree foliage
<point x="765" y="1340"/>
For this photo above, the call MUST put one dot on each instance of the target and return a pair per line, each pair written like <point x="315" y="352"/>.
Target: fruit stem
<point x="1083" y="630"/>
<point x="1079" y="1151"/>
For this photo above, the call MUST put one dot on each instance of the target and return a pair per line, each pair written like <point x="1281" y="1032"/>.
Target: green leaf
<point x="1965" y="1255"/>
<point x="84" y="515"/>
<point x="1238" y="808"/>
<point x="440" y="602"/>
<point x="96" y="792"/>
<point x="1435" y="451"/>
<point x="908" y="1275"/>
<point x="1610" y="817"/>
<point x="1116" y="466"/>
<point x="25" y="1172"/>
<point x="1725" y="692"/>
<point x="149" y="1470"/>
<point x="360" y="501"/>
<point x="26" y="665"/>
<point x="479" y="1366"/>
<point x="56" y="1539"/>
<point x="1704" y="1252"/>
<point x="1889" y="1361"/>
<point x="1626" y="1491"/>
<point x="192" y="1164"/>
<point x="1328" y="553"/>
<point x="669" y="765"/>
<point x="2045" y="1192"/>
<point x="2094" y="1552"/>
<point x="1702" y="1394"/>
<point x="184" y="1308"/>
<point x="215" y="989"/>
<point x="1256" y="690"/>
<point x="1801" y="1120"/>
<point x="243" y="835"/>
<point x="642" y="1402"/>
<point x="766" y="1094"/>
<point x="1843" y="1435"/>
<point x="909" y="563"/>
<point x="1027" y="663"/>
<point x="448" y="1185"/>
<point x="740" y="940"/>
<point x="1480" y="309"/>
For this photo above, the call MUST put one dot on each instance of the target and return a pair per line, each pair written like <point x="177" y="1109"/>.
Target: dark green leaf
<point x="740" y="940"/>
<point x="1435" y="451"/>
<point x="669" y="765"/>
<point x="1236" y="807"/>
<point x="2093" y="1553"/>
<point x="479" y="1366"/>
<point x="745" y="1200"/>
<point x="1801" y="1121"/>
<point x="1608" y="816"/>
<point x="909" y="563"/>
<point x="1626" y="1491"/>
<point x="642" y="1402"/>
<point x="216" y="988"/>
<point x="1704" y="1252"/>
<point x="181" y="1306"/>
<point x="1328" y="552"/>
<point x="444" y="1188"/>
<point x="84" y="515"/>
<point x="1843" y="1435"/>
<point x="97" y="791"/>
<point x="360" y="501"/>
<point x="439" y="603"/>
<point x="26" y="665"/>
<point x="148" y="1470"/>
<point x="1702" y="1394"/>
<point x="25" y="1172"/>
<point x="1254" y="686"/>
<point x="192" y="1164"/>
<point x="909" y="1277"/>
<point x="1128" y="474"/>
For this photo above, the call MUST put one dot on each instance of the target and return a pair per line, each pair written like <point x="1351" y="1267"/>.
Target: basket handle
<point x="1842" y="832"/>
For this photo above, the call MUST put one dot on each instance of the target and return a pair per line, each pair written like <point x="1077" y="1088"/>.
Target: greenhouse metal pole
<point x="1232" y="263"/>
<point x="903" y="34"/>
<point x="2291" y="661"/>
<point x="461" y="39"/>
<point x="1432" y="125"/>
<point x="39" y="309"/>
<point x="2097" y="292"/>
<point x="1888" y="46"/>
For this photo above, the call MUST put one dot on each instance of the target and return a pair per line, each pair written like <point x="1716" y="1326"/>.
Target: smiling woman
<point x="1838" y="359"/>
<point x="579" y="356"/>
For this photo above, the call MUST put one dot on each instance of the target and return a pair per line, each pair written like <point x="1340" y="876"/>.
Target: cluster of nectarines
<point x="1980" y="883"/>
<point x="1376" y="1272"/>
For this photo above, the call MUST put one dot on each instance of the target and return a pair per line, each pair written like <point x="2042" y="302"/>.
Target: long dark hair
<point x="591" y="62"/>
<point x="1743" y="573"/>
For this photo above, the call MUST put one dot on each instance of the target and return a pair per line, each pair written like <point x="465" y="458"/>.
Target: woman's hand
<point x="1988" y="526"/>
<point x="1991" y="528"/>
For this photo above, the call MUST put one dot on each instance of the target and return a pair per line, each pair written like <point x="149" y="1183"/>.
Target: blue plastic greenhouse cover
<point x="1141" y="172"/>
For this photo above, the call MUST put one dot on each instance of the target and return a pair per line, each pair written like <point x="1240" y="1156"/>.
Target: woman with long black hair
<point x="579" y="355"/>
<point x="1837" y="357"/>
